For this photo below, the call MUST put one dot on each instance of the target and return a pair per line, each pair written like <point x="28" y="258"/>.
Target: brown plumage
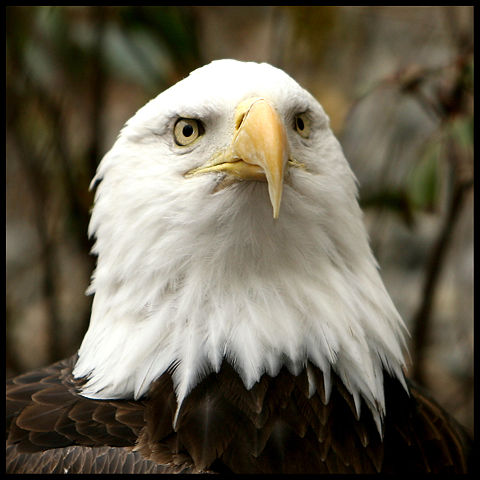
<point x="223" y="427"/>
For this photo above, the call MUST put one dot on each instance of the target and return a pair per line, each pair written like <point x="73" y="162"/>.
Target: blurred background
<point x="397" y="83"/>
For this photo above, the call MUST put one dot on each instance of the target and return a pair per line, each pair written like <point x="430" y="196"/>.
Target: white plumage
<point x="192" y="271"/>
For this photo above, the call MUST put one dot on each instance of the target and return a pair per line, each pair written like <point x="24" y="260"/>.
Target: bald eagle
<point x="239" y="322"/>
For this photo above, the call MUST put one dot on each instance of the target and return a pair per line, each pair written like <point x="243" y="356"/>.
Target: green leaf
<point x="423" y="182"/>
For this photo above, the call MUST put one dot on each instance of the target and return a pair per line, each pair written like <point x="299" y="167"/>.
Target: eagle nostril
<point x="240" y="120"/>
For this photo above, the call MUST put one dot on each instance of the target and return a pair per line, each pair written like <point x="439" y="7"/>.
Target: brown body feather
<point x="276" y="427"/>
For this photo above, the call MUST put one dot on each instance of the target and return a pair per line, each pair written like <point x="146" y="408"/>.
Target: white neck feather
<point x="187" y="291"/>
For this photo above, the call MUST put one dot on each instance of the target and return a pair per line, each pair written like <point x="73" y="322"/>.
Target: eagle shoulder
<point x="287" y="423"/>
<point x="52" y="429"/>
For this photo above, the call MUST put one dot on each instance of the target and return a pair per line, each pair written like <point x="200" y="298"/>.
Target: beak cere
<point x="260" y="140"/>
<point x="258" y="151"/>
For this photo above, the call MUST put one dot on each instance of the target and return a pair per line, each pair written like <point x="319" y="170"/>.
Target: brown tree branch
<point x="422" y="319"/>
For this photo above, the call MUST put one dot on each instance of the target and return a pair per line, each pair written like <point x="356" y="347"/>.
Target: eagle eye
<point x="187" y="130"/>
<point x="302" y="125"/>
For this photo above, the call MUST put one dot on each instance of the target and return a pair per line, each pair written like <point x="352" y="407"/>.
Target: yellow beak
<point x="259" y="149"/>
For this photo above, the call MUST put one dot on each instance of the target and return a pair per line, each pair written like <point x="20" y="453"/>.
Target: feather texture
<point x="191" y="276"/>
<point x="275" y="427"/>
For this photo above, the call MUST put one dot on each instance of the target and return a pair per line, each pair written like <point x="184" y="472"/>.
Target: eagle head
<point x="227" y="228"/>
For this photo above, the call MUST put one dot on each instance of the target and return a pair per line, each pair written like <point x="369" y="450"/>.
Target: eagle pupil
<point x="187" y="130"/>
<point x="300" y="124"/>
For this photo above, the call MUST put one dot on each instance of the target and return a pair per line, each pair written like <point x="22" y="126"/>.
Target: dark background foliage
<point x="397" y="83"/>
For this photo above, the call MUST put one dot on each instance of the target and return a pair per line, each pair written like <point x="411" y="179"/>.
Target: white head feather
<point x="186" y="278"/>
